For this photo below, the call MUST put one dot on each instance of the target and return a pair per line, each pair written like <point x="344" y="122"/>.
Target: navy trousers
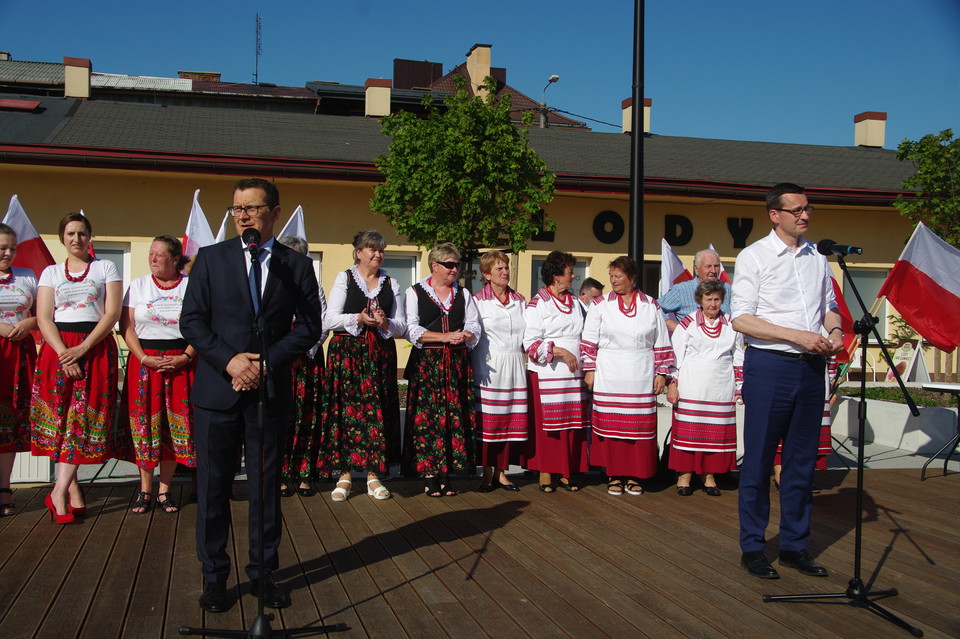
<point x="783" y="399"/>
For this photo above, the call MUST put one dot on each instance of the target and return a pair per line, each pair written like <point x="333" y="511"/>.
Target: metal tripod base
<point x="856" y="595"/>
<point x="260" y="629"/>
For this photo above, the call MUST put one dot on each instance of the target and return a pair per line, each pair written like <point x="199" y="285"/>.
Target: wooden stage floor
<point x="500" y="565"/>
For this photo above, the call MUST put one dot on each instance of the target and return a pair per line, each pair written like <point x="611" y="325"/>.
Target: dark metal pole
<point x="635" y="239"/>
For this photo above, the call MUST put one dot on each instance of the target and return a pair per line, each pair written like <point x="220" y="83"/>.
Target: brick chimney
<point x="377" y="97"/>
<point x="627" y="106"/>
<point x="478" y="67"/>
<point x="76" y="77"/>
<point x="202" y="76"/>
<point x="870" y="129"/>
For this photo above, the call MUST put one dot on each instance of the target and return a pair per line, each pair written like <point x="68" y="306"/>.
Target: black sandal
<point x="568" y="486"/>
<point x="446" y="487"/>
<point x="6" y="510"/>
<point x="167" y="503"/>
<point x="548" y="488"/>
<point x="431" y="487"/>
<point x="143" y="501"/>
<point x="615" y="486"/>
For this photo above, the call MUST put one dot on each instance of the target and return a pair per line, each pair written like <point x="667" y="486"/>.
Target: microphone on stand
<point x="251" y="237"/>
<point x="829" y="247"/>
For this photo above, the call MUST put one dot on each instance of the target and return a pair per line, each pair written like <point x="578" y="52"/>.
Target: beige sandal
<point x="339" y="493"/>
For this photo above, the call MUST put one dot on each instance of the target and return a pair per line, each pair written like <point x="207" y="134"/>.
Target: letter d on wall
<point x="677" y="230"/>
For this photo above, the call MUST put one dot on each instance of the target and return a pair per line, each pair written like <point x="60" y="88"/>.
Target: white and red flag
<point x="92" y="252"/>
<point x="671" y="268"/>
<point x="197" y="234"/>
<point x="222" y="233"/>
<point x="924" y="287"/>
<point x="723" y="272"/>
<point x="294" y="226"/>
<point x="32" y="252"/>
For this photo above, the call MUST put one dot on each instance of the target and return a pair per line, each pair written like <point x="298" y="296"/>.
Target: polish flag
<point x="924" y="286"/>
<point x="671" y="268"/>
<point x="197" y="234"/>
<point x="92" y="252"/>
<point x="222" y="233"/>
<point x="723" y="272"/>
<point x="294" y="226"/>
<point x="32" y="252"/>
<point x="846" y="323"/>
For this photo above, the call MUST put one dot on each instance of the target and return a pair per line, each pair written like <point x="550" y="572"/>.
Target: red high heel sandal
<point x="60" y="519"/>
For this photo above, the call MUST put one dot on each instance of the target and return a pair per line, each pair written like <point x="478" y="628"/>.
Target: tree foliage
<point x="465" y="174"/>
<point x="936" y="184"/>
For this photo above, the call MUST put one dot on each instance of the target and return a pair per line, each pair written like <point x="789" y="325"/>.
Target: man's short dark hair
<point x="271" y="195"/>
<point x="589" y="283"/>
<point x="777" y="191"/>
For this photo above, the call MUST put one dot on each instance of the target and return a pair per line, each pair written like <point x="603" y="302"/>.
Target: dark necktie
<point x="255" y="277"/>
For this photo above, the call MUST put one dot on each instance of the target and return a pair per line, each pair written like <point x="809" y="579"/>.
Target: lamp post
<point x="543" y="100"/>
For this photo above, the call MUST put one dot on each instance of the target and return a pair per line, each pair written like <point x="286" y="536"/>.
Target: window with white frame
<point x="403" y="269"/>
<point x="579" y="272"/>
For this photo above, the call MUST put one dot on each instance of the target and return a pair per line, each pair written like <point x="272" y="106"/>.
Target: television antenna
<point x="259" y="49"/>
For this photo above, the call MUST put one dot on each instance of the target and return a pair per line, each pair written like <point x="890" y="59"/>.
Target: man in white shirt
<point x="782" y="297"/>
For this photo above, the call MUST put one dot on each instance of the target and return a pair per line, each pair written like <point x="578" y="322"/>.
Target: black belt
<point x="164" y="344"/>
<point x="76" y="327"/>
<point x="801" y="356"/>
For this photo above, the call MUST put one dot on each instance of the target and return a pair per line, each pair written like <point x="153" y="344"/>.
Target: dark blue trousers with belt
<point x="783" y="400"/>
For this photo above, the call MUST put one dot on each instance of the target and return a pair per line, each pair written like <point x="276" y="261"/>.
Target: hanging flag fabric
<point x="723" y="272"/>
<point x="671" y="268"/>
<point x="924" y="287"/>
<point x="222" y="233"/>
<point x="294" y="226"/>
<point x="846" y="323"/>
<point x="92" y="252"/>
<point x="197" y="234"/>
<point x="32" y="252"/>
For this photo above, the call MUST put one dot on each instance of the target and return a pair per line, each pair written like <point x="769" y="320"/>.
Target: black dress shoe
<point x="511" y="487"/>
<point x="287" y="491"/>
<point x="273" y="597"/>
<point x="306" y="492"/>
<point x="486" y="488"/>
<point x="684" y="491"/>
<point x="800" y="560"/>
<point x="214" y="597"/>
<point x="713" y="491"/>
<point x="757" y="565"/>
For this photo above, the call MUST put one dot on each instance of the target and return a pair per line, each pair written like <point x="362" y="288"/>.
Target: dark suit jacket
<point x="217" y="317"/>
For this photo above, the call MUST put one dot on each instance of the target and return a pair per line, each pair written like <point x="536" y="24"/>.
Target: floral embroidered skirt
<point x="361" y="423"/>
<point x="17" y="360"/>
<point x="303" y="436"/>
<point x="441" y="417"/>
<point x="73" y="420"/>
<point x="160" y="413"/>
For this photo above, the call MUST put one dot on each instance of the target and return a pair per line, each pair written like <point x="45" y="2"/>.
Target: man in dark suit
<point x="219" y="320"/>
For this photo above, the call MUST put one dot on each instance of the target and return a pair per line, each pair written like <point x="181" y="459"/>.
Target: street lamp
<point x="543" y="101"/>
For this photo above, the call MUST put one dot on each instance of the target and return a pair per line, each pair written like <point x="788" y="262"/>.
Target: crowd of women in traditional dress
<point x="550" y="384"/>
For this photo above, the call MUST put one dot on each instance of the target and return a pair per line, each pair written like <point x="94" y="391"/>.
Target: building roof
<point x="63" y="130"/>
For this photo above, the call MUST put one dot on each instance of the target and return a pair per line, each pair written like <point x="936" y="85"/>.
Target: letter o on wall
<point x="608" y="227"/>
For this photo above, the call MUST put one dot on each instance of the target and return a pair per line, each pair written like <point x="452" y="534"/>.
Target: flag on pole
<point x="222" y="233"/>
<point x="671" y="268"/>
<point x="294" y="226"/>
<point x="723" y="272"/>
<point x="197" y="234"/>
<point x="924" y="287"/>
<point x="32" y="252"/>
<point x="92" y="252"/>
<point x="846" y="323"/>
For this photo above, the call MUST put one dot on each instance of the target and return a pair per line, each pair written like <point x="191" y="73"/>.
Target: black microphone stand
<point x="260" y="628"/>
<point x="857" y="593"/>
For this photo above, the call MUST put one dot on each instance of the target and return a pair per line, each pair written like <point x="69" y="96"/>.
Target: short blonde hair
<point x="445" y="252"/>
<point x="490" y="259"/>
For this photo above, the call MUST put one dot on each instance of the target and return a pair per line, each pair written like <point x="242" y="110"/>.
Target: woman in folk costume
<point x="709" y="357"/>
<point x="627" y="358"/>
<point x="558" y="397"/>
<point x="499" y="369"/>
<point x="361" y="406"/>
<point x="75" y="385"/>
<point x="18" y="354"/>
<point x="443" y="325"/>
<point x="159" y="374"/>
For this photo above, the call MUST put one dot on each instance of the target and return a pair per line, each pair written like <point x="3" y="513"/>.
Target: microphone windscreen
<point x="824" y="246"/>
<point x="250" y="236"/>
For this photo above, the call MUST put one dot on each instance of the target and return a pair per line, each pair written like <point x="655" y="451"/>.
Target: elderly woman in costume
<point x="18" y="354"/>
<point x="159" y="373"/>
<point x="627" y="358"/>
<point x="443" y="325"/>
<point x="709" y="356"/>
<point x="75" y="386"/>
<point x="302" y="453"/>
<point x="558" y="397"/>
<point x="361" y="404"/>
<point x="499" y="368"/>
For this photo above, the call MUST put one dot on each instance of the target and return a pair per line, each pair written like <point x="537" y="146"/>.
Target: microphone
<point x="251" y="237"/>
<point x="829" y="247"/>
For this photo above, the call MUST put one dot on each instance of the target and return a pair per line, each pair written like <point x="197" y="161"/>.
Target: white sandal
<point x="339" y="493"/>
<point x="380" y="492"/>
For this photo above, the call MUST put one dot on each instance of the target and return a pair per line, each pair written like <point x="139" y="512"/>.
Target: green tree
<point x="936" y="184"/>
<point x="464" y="174"/>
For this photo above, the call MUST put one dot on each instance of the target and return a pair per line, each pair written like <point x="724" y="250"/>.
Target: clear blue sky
<point x="742" y="69"/>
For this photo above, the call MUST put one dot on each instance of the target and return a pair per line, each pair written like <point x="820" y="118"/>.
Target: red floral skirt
<point x="160" y="413"/>
<point x="303" y="436"/>
<point x="73" y="420"/>
<point x="17" y="360"/>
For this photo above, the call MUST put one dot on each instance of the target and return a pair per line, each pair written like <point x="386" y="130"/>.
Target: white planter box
<point x="30" y="469"/>
<point x="891" y="424"/>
